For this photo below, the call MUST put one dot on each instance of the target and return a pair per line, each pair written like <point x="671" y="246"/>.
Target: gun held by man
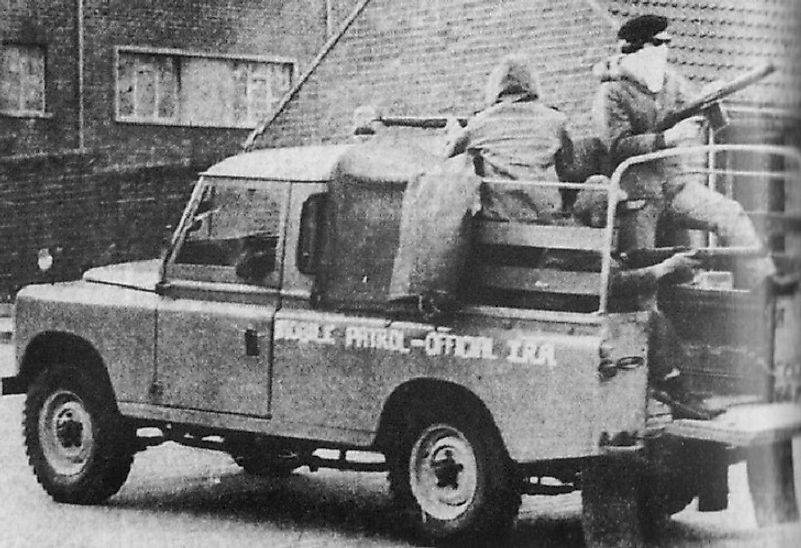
<point x="424" y="122"/>
<point x="709" y="104"/>
<point x="640" y="258"/>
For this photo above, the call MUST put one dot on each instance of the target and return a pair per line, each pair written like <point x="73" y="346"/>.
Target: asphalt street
<point x="182" y="497"/>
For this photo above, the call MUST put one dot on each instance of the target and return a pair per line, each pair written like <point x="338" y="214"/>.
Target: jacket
<point x="626" y="114"/>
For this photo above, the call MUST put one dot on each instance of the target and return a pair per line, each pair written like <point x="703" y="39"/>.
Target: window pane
<point x="33" y="83"/>
<point x="145" y="92"/>
<point x="207" y="91"/>
<point x="239" y="105"/>
<point x="125" y="84"/>
<point x="9" y="79"/>
<point x="22" y="82"/>
<point x="236" y="227"/>
<point x="167" y="87"/>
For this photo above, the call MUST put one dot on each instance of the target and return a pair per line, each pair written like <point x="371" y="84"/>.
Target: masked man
<point x="638" y="90"/>
<point x="517" y="137"/>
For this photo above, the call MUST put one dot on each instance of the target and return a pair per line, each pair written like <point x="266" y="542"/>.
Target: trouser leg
<point x="666" y="354"/>
<point x="697" y="206"/>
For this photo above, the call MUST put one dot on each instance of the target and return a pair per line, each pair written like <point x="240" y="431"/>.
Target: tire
<point x="453" y="481"/>
<point x="610" y="503"/>
<point x="79" y="446"/>
<point x="661" y="496"/>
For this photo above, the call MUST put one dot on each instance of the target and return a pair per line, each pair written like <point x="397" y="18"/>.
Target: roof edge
<point x="327" y="47"/>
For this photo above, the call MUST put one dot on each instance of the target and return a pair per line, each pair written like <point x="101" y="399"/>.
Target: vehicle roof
<point x="305" y="164"/>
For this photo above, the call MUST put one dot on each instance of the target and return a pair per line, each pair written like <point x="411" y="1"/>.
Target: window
<point x="22" y="80"/>
<point x="193" y="90"/>
<point x="235" y="233"/>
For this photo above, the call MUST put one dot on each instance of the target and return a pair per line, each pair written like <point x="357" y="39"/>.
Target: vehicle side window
<point x="311" y="220"/>
<point x="236" y="227"/>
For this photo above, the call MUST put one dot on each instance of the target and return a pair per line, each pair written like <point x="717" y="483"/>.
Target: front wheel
<point x="78" y="445"/>
<point x="454" y="481"/>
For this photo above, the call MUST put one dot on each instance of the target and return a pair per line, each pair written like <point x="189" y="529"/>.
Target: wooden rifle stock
<point x="705" y="102"/>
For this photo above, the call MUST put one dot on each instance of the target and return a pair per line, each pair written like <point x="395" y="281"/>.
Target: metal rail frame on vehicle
<point x="614" y="190"/>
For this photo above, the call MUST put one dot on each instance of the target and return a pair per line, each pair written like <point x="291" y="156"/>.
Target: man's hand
<point x="682" y="265"/>
<point x="454" y="138"/>
<point x="685" y="132"/>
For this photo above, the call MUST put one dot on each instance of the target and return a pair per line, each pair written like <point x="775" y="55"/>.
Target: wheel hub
<point x="68" y="430"/>
<point x="446" y="469"/>
<point x="65" y="433"/>
<point x="444" y="472"/>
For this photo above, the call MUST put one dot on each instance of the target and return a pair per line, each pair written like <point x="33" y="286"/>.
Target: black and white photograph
<point x="400" y="273"/>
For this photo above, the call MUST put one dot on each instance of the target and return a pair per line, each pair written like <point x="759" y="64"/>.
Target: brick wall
<point x="50" y="24"/>
<point x="85" y="214"/>
<point x="293" y="29"/>
<point x="433" y="56"/>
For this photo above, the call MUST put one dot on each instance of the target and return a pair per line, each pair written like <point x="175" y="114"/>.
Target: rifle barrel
<point x="705" y="101"/>
<point x="425" y="122"/>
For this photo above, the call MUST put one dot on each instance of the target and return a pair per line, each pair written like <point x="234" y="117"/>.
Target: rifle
<point x="708" y="104"/>
<point x="640" y="258"/>
<point x="425" y="122"/>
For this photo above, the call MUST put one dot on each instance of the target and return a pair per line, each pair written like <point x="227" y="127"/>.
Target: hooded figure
<point x="638" y="90"/>
<point x="516" y="137"/>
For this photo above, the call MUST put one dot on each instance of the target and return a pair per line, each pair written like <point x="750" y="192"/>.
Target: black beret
<point x="642" y="28"/>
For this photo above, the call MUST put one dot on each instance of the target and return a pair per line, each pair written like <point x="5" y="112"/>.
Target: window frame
<point x="27" y="113"/>
<point x="177" y="55"/>
<point x="226" y="275"/>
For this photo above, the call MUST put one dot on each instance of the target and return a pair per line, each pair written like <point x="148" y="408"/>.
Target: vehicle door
<point x="219" y="299"/>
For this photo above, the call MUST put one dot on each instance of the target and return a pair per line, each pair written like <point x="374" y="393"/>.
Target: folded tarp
<point x="362" y="223"/>
<point x="435" y="237"/>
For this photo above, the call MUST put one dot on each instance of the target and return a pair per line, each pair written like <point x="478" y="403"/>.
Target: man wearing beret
<point x="638" y="90"/>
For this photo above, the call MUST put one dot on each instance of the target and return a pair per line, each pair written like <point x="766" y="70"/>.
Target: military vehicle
<point x="266" y="331"/>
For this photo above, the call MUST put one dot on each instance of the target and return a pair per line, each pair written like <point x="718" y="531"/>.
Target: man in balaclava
<point x="517" y="137"/>
<point x="638" y="90"/>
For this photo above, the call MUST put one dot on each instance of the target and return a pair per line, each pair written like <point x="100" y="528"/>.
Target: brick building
<point x="109" y="108"/>
<point x="432" y="56"/>
<point x="149" y="82"/>
<point x="151" y="92"/>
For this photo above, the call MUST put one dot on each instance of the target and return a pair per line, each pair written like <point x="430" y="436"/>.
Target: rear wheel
<point x="661" y="496"/>
<point x="453" y="480"/>
<point x="79" y="446"/>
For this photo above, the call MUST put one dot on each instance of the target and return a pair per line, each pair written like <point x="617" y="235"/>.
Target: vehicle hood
<point x="142" y="275"/>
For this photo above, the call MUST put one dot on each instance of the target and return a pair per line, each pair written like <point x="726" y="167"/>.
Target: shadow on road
<point x="348" y="505"/>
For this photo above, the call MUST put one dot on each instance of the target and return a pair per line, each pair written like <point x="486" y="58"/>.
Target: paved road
<point x="181" y="497"/>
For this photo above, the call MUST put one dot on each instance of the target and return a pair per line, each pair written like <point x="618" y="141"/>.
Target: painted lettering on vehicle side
<point x="521" y="350"/>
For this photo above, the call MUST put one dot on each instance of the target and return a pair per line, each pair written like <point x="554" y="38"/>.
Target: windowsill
<point x="26" y="114"/>
<point x="168" y="123"/>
